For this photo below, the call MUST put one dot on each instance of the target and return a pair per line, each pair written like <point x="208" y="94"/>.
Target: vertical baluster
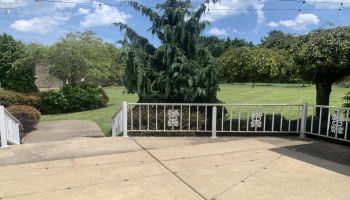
<point x="248" y="119"/>
<point x="273" y="118"/>
<point x="231" y="118"/>
<point x="148" y="117"/>
<point x="319" y="122"/>
<point x="156" y="117"/>
<point x="197" y="116"/>
<point x="281" y="118"/>
<point x="189" y="117"/>
<point x="222" y="117"/>
<point x="346" y="125"/>
<point x="239" y="118"/>
<point x="181" y="118"/>
<point x="328" y="121"/>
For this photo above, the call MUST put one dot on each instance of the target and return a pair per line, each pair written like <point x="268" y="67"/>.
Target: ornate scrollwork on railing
<point x="173" y="118"/>
<point x="337" y="123"/>
<point x="256" y="119"/>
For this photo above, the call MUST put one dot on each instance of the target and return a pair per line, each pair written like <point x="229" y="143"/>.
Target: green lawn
<point x="229" y="93"/>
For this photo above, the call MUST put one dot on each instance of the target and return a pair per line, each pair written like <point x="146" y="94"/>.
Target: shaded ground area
<point x="176" y="168"/>
<point x="50" y="131"/>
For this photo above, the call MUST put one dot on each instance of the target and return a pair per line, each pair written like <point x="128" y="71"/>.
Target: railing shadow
<point x="321" y="154"/>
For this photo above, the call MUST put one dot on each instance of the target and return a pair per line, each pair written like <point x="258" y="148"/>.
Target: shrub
<point x="73" y="99"/>
<point x="346" y="98"/>
<point x="27" y="115"/>
<point x="9" y="98"/>
<point x="53" y="102"/>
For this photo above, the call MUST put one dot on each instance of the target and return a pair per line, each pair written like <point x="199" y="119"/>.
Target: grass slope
<point x="229" y="93"/>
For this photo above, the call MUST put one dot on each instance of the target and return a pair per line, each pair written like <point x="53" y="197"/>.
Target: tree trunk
<point x="323" y="91"/>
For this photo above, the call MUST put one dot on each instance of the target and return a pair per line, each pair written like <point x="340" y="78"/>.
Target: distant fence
<point x="329" y="121"/>
<point x="9" y="128"/>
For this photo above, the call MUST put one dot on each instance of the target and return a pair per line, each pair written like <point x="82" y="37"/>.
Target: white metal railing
<point x="176" y="117"/>
<point x="9" y="128"/>
<point x="119" y="121"/>
<point x="328" y="121"/>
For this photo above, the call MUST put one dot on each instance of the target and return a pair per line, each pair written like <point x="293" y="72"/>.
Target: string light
<point x="304" y="2"/>
<point x="100" y="6"/>
<point x="37" y="2"/>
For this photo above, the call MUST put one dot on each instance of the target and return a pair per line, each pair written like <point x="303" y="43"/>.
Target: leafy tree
<point x="215" y="45"/>
<point x="10" y="51"/>
<point x="239" y="43"/>
<point x="17" y="70"/>
<point x="81" y="55"/>
<point x="179" y="70"/>
<point x="322" y="57"/>
<point x="253" y="64"/>
<point x="277" y="39"/>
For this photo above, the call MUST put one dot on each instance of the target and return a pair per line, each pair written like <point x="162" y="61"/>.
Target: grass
<point x="229" y="93"/>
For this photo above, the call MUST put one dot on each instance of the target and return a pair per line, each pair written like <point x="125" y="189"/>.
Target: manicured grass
<point x="229" y="93"/>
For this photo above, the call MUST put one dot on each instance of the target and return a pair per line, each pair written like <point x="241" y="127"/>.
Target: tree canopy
<point x="322" y="57"/>
<point x="179" y="70"/>
<point x="81" y="55"/>
<point x="254" y="64"/>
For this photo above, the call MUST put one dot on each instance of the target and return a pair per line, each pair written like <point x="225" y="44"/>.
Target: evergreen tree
<point x="180" y="69"/>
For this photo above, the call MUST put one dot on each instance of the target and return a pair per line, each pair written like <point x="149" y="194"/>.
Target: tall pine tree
<point x="180" y="69"/>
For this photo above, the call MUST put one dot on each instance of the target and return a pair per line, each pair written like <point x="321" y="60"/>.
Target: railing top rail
<point x="12" y="117"/>
<point x="323" y="106"/>
<point x="119" y="109"/>
<point x="210" y="104"/>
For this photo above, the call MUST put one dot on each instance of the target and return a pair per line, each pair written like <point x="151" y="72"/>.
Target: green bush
<point x="9" y="98"/>
<point x="346" y="98"/>
<point x="73" y="99"/>
<point x="27" y="115"/>
<point x="20" y="79"/>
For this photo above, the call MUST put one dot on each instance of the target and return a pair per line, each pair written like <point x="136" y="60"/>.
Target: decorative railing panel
<point x="328" y="121"/>
<point x="9" y="128"/>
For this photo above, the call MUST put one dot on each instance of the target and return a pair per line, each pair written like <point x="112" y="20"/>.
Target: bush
<point x="27" y="115"/>
<point x="8" y="98"/>
<point x="20" y="79"/>
<point x="73" y="99"/>
<point x="346" y="98"/>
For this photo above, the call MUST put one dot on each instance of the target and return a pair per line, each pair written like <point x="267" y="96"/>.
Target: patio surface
<point x="174" y="168"/>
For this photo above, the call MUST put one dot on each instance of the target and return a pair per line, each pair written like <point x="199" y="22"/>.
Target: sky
<point x="46" y="21"/>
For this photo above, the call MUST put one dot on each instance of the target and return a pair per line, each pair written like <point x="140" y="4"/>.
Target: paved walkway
<point x="176" y="168"/>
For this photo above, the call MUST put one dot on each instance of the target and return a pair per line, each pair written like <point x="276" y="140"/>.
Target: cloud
<point x="273" y="24"/>
<point x="226" y="8"/>
<point x="83" y="11"/>
<point x="41" y="25"/>
<point x="106" y="15"/>
<point x="216" y="31"/>
<point x="300" y="22"/>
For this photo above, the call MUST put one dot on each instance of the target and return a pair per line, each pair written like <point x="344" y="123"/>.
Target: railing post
<point x="2" y="127"/>
<point x="125" y="119"/>
<point x="303" y="120"/>
<point x="114" y="128"/>
<point x="213" y="123"/>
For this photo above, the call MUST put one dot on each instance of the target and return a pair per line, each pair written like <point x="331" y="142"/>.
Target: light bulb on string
<point x="7" y="12"/>
<point x="100" y="6"/>
<point x="299" y="11"/>
<point x="304" y="2"/>
<point x="37" y="2"/>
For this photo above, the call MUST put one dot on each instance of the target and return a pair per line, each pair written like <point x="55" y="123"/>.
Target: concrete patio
<point x="175" y="168"/>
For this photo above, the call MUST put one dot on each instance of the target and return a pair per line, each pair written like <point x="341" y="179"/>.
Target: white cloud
<point x="40" y="25"/>
<point x="83" y="11"/>
<point x="216" y="31"/>
<point x="106" y="15"/>
<point x="226" y="8"/>
<point x="273" y="24"/>
<point x="300" y="22"/>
